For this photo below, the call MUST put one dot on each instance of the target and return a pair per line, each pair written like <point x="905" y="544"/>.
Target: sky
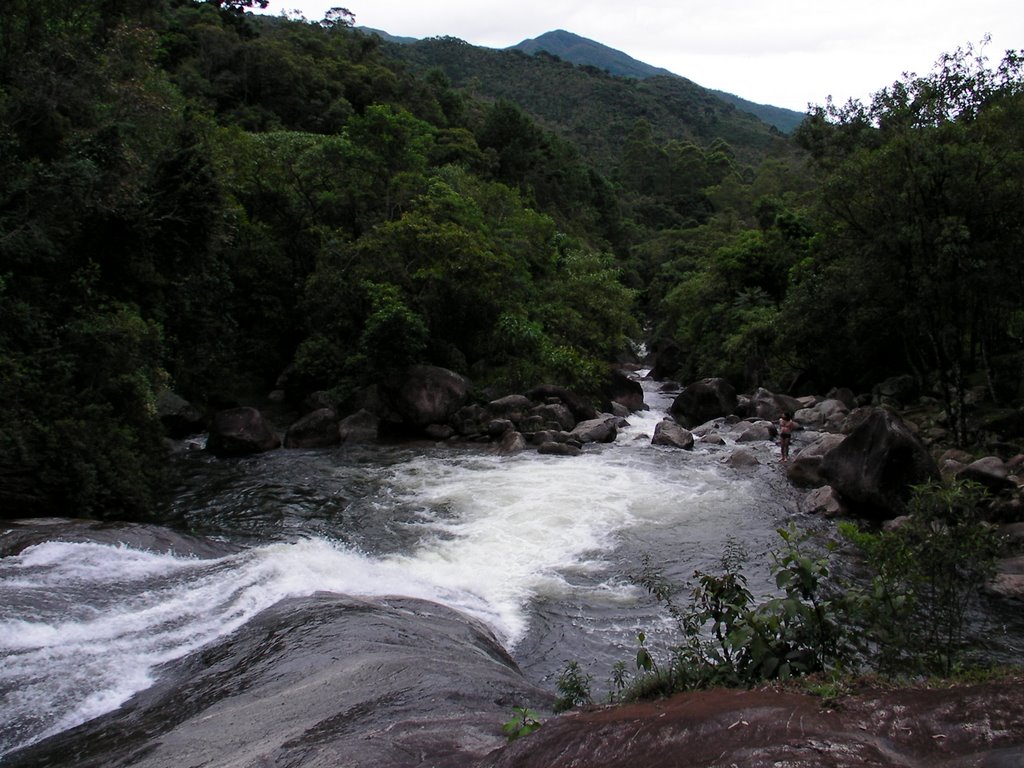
<point x="788" y="53"/>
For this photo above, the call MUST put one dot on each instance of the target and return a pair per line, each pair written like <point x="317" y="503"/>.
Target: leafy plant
<point x="524" y="722"/>
<point x="924" y="577"/>
<point x="573" y="688"/>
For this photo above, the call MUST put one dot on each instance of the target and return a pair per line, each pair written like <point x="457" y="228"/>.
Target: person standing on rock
<point x="786" y="427"/>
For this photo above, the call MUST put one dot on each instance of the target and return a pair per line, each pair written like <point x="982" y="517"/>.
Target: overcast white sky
<point x="784" y="52"/>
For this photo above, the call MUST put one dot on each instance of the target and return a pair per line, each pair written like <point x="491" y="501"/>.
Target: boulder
<point x="769" y="406"/>
<point x="625" y="390"/>
<point x="552" y="448"/>
<point x="828" y="415"/>
<point x="498" y="427"/>
<point x="179" y="417"/>
<point x="874" y="468"/>
<point x="513" y="407"/>
<point x="843" y="395"/>
<point x="703" y="401"/>
<point x="471" y="420"/>
<point x="581" y="409"/>
<point x="425" y="395"/>
<point x="600" y="430"/>
<point x="555" y="416"/>
<point x="822" y="501"/>
<point x="240" y="432"/>
<point x="360" y="427"/>
<point x="804" y="468"/>
<point x="742" y="459"/>
<point x="511" y="442"/>
<point x="439" y="432"/>
<point x="760" y="432"/>
<point x="896" y="392"/>
<point x="990" y="472"/>
<point x="318" y="429"/>
<point x="670" y="434"/>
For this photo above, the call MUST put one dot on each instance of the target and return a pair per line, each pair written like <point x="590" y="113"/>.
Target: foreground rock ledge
<point x="978" y="725"/>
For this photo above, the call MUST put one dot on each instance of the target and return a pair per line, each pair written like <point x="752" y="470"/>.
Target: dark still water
<point x="538" y="548"/>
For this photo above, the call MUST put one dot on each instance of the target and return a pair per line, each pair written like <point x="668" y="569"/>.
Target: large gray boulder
<point x="179" y="417"/>
<point x="547" y="393"/>
<point x="512" y="407"/>
<point x="703" y="401"/>
<point x="769" y="406"/>
<point x="804" y="468"/>
<point x="358" y="428"/>
<point x="874" y="468"/>
<point x="318" y="429"/>
<point x="425" y="395"/>
<point x="240" y="432"/>
<point x="626" y="391"/>
<point x="554" y="416"/>
<point x="600" y="430"/>
<point x="670" y="434"/>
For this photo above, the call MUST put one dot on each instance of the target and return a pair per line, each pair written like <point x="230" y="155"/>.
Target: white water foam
<point x="83" y="626"/>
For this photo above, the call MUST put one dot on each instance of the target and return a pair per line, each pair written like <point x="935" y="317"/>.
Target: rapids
<point x="539" y="549"/>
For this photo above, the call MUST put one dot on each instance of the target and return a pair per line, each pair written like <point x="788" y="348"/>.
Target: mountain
<point x="386" y="36"/>
<point x="594" y="110"/>
<point x="583" y="52"/>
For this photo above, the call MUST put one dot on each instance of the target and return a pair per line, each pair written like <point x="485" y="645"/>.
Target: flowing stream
<point x="539" y="548"/>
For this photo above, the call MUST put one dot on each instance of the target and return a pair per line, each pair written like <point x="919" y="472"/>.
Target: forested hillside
<point x="197" y="199"/>
<point x="588" y="53"/>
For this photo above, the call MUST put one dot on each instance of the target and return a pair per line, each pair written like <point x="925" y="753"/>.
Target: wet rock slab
<point x="315" y="682"/>
<point x="977" y="725"/>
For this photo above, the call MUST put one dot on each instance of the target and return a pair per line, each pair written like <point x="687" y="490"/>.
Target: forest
<point x="199" y="199"/>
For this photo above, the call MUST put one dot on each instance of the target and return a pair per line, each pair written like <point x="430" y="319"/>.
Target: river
<point x="538" y="548"/>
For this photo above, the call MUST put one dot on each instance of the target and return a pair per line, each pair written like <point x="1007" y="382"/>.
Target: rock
<point x="896" y="392"/>
<point x="703" y="401"/>
<point x="760" y="432"/>
<point x="843" y="395"/>
<point x="439" y="432"/>
<point x="320" y="399"/>
<point x="552" y="448"/>
<point x="990" y="471"/>
<point x="471" y="420"/>
<point x="179" y="417"/>
<point x="769" y="406"/>
<point x="317" y="682"/>
<point x="625" y="390"/>
<point x="240" y="432"/>
<point x="555" y="415"/>
<point x="512" y="442"/>
<point x="712" y="438"/>
<point x="1008" y="582"/>
<point x="599" y="430"/>
<point x="670" y="434"/>
<point x="581" y="409"/>
<point x="318" y="429"/>
<point x="425" y="395"/>
<point x="741" y="459"/>
<point x="1009" y="586"/>
<point x="498" y="427"/>
<point x="804" y="467"/>
<point x="874" y="468"/>
<point x="513" y="407"/>
<point x="823" y="501"/>
<point x="359" y="428"/>
<point x="975" y="725"/>
<point x="1014" y="532"/>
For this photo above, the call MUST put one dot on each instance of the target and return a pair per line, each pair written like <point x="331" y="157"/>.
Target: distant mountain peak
<point x="583" y="51"/>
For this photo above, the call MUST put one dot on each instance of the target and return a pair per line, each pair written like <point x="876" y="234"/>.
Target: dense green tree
<point x="925" y="189"/>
